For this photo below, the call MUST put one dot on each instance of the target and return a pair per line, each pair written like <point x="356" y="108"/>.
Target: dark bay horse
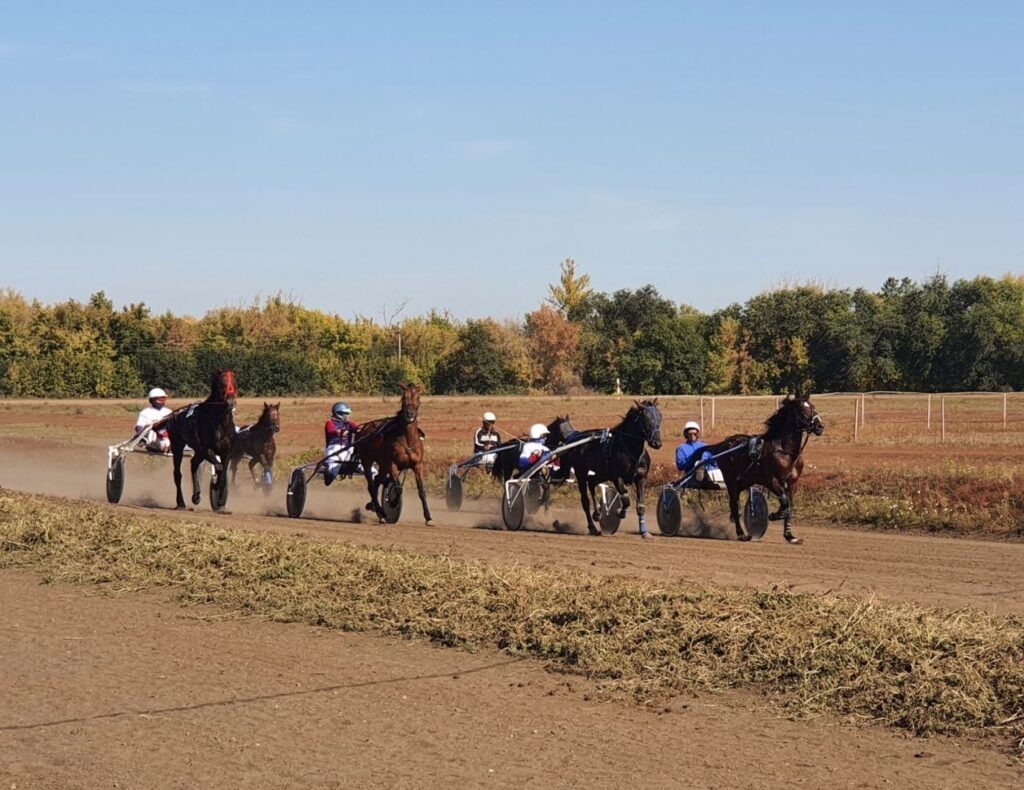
<point x="773" y="460"/>
<point x="393" y="444"/>
<point x="257" y="441"/>
<point x="208" y="428"/>
<point x="619" y="458"/>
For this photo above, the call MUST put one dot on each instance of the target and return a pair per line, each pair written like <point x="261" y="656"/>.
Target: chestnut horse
<point x="257" y="441"/>
<point x="773" y="460"/>
<point x="208" y="428"/>
<point x="393" y="444"/>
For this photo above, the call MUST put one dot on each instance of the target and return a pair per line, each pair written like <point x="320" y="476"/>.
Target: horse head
<point x="410" y="403"/>
<point x="223" y="388"/>
<point x="796" y="415"/>
<point x="650" y="417"/>
<point x="271" y="416"/>
<point x="559" y="431"/>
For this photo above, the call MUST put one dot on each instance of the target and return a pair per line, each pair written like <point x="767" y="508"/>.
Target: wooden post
<point x="942" y="401"/>
<point x="702" y="414"/>
<point x="863" y="403"/>
<point x="929" y="411"/>
<point x="712" y="414"/>
<point x="856" y="417"/>
<point x="1004" y="411"/>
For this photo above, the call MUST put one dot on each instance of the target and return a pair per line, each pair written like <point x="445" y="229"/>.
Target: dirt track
<point x="389" y="713"/>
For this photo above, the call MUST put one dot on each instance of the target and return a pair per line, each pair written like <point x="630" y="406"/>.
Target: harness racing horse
<point x="209" y="429"/>
<point x="393" y="444"/>
<point x="773" y="460"/>
<point x="257" y="441"/>
<point x="619" y="458"/>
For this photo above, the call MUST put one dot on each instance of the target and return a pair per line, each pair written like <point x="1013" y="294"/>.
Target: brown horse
<point x="393" y="444"/>
<point x="257" y="441"/>
<point x="773" y="460"/>
<point x="209" y="429"/>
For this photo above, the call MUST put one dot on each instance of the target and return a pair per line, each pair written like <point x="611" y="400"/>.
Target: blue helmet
<point x="340" y="410"/>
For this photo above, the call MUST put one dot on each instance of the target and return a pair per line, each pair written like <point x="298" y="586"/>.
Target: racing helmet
<point x="538" y="431"/>
<point x="155" y="393"/>
<point x="691" y="426"/>
<point x="489" y="417"/>
<point x="341" y="410"/>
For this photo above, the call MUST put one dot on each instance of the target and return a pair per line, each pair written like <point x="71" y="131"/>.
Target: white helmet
<point x="489" y="417"/>
<point x="691" y="425"/>
<point x="156" y="392"/>
<point x="538" y="431"/>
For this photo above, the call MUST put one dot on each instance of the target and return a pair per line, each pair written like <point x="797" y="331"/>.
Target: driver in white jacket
<point x="157" y="441"/>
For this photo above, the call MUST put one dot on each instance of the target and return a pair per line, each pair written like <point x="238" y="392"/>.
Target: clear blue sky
<point x="355" y="155"/>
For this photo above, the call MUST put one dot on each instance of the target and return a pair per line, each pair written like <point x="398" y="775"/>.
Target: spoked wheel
<point x="513" y="509"/>
<point x="115" y="481"/>
<point x="296" y="498"/>
<point x="670" y="512"/>
<point x="453" y="492"/>
<point x="534" y="495"/>
<point x="609" y="503"/>
<point x="219" y="489"/>
<point x="755" y="513"/>
<point x="391" y="501"/>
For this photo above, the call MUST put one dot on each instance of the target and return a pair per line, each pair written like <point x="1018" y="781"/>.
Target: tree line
<point x="928" y="336"/>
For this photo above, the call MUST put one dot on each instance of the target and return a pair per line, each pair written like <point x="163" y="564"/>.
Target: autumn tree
<point x="553" y="345"/>
<point x="573" y="294"/>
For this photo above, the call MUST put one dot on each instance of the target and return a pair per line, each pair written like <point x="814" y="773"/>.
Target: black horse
<point x="619" y="457"/>
<point x="257" y="441"/>
<point x="773" y="460"/>
<point x="506" y="460"/>
<point x="209" y="429"/>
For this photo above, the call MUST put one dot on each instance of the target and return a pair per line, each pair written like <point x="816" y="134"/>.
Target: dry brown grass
<point x="920" y="670"/>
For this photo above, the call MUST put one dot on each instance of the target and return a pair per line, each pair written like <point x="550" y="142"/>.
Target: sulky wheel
<point x="453" y="493"/>
<point x="391" y="501"/>
<point x="513" y="508"/>
<point x="296" y="498"/>
<point x="219" y="489"/>
<point x="608" y="505"/>
<point x="115" y="481"/>
<point x="535" y="491"/>
<point x="669" y="512"/>
<point x="755" y="513"/>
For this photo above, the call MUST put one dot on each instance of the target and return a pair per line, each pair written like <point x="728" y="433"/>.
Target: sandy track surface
<point x="138" y="692"/>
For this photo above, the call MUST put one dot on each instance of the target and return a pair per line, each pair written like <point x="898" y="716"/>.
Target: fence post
<point x="942" y="401"/>
<point x="712" y="413"/>
<point x="856" y="417"/>
<point x="863" y="403"/>
<point x="1004" y="411"/>
<point x="929" y="411"/>
<point x="702" y="425"/>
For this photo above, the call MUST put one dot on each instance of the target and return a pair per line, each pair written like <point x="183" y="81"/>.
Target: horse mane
<point x="779" y="422"/>
<point x="637" y="407"/>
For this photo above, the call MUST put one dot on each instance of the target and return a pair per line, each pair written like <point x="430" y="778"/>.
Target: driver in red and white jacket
<point x="157" y="441"/>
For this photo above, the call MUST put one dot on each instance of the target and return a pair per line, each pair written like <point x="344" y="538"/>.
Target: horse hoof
<point x="743" y="538"/>
<point x="196" y="499"/>
<point x="646" y="536"/>
<point x="179" y="507"/>
<point x="430" y="523"/>
<point x="794" y="540"/>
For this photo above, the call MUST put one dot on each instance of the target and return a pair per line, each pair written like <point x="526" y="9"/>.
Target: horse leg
<point x="252" y="471"/>
<point x="373" y="482"/>
<point x="640" y="487"/>
<point x="581" y="483"/>
<point x="592" y="487"/>
<point x="620" y="487"/>
<point x="178" y="452"/>
<point x="785" y="511"/>
<point x="196" y="491"/>
<point x="423" y="494"/>
<point x="734" y="510"/>
<point x="787" y="522"/>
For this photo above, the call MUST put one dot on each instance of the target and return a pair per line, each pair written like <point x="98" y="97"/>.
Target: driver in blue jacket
<point x="691" y="451"/>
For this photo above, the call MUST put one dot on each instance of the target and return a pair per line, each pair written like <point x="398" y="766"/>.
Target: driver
<point x="692" y="451"/>
<point x="486" y="439"/>
<point x="339" y="433"/>
<point x="534" y="450"/>
<point x="158" y="440"/>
